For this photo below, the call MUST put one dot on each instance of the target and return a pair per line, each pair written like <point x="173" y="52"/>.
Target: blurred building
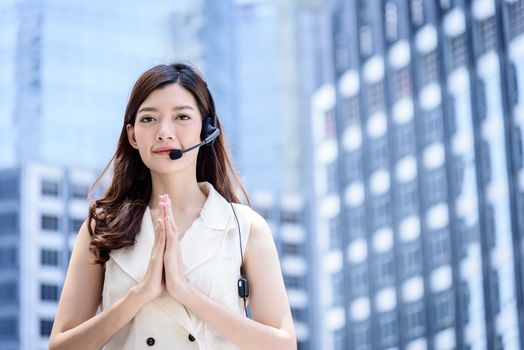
<point x="41" y="209"/>
<point x="286" y="215"/>
<point x="417" y="174"/>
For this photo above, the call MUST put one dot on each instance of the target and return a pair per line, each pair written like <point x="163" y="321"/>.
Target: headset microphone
<point x="177" y="153"/>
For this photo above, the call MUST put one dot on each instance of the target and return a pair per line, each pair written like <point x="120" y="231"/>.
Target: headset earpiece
<point x="208" y="128"/>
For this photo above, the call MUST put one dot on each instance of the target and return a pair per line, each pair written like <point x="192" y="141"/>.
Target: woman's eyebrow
<point x="153" y="109"/>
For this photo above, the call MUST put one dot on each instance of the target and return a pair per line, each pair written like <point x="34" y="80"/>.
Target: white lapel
<point x="201" y="242"/>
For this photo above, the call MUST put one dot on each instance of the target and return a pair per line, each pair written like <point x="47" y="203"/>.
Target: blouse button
<point x="190" y="337"/>
<point x="150" y="341"/>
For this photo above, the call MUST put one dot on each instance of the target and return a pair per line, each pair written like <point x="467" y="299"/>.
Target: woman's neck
<point x="183" y="191"/>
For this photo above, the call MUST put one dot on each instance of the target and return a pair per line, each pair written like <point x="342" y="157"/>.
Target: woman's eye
<point x="183" y="117"/>
<point x="146" y="119"/>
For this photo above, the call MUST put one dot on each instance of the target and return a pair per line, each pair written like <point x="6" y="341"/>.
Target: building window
<point x="49" y="257"/>
<point x="295" y="282"/>
<point x="291" y="248"/>
<point x="79" y="191"/>
<point x="436" y="186"/>
<point x="490" y="228"/>
<point x="402" y="83"/>
<point x="485" y="161"/>
<point x="417" y="12"/>
<point x="337" y="283"/>
<point x="353" y="161"/>
<point x="75" y="225"/>
<point x="376" y="96"/>
<point x="331" y="172"/>
<point x="407" y="198"/>
<point x="415" y="324"/>
<point x="8" y="257"/>
<point x="289" y="217"/>
<point x="300" y="314"/>
<point x="379" y="153"/>
<point x="458" y="51"/>
<point x="351" y="110"/>
<point x="362" y="336"/>
<point x="487" y="35"/>
<point x="8" y="186"/>
<point x="49" y="292"/>
<point x="385" y="269"/>
<point x="465" y="300"/>
<point x="405" y="139"/>
<point x="433" y="127"/>
<point x="366" y="40"/>
<point x="443" y="309"/>
<point x="49" y="222"/>
<point x="356" y="221"/>
<point x="358" y="275"/>
<point x="330" y="124"/>
<point x="412" y="258"/>
<point x="45" y="327"/>
<point x="49" y="188"/>
<point x="388" y="329"/>
<point x="440" y="248"/>
<point x="428" y="69"/>
<point x="8" y="328"/>
<point x="339" y="339"/>
<point x="495" y="291"/>
<point x="381" y="210"/>
<point x="9" y="223"/>
<point x="516" y="17"/>
<point x="335" y="233"/>
<point x="8" y="293"/>
<point x="391" y="19"/>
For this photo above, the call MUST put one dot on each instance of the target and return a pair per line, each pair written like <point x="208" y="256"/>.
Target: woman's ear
<point x="131" y="136"/>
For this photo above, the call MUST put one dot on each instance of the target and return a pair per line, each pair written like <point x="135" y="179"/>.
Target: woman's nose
<point x="166" y="131"/>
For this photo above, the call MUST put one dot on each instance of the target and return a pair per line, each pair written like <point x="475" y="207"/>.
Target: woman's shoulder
<point x="258" y="225"/>
<point x="249" y="213"/>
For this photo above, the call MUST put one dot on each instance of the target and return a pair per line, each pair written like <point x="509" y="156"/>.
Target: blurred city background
<point x="381" y="139"/>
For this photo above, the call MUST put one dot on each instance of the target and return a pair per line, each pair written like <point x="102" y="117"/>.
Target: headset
<point x="209" y="133"/>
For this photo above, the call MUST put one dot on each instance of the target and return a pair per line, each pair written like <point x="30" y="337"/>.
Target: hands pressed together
<point x="165" y="270"/>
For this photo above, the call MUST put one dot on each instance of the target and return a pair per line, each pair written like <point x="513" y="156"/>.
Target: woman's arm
<point x="272" y="324"/>
<point x="76" y="325"/>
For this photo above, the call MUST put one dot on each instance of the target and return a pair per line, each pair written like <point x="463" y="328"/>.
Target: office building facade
<point x="417" y="140"/>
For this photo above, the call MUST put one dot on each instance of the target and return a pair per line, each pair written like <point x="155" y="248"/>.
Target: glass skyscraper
<point x="417" y="146"/>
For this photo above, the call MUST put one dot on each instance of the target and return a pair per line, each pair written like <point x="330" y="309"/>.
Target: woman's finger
<point x="173" y="229"/>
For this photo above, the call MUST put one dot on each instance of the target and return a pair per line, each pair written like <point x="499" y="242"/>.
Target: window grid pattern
<point x="351" y="110"/>
<point x="428" y="69"/>
<point x="49" y="222"/>
<point x="8" y="257"/>
<point x="488" y="35"/>
<point x="402" y="83"/>
<point x="458" y="51"/>
<point x="516" y="18"/>
<point x="50" y="188"/>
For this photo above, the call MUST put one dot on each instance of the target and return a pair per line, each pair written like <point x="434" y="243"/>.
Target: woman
<point x="162" y="250"/>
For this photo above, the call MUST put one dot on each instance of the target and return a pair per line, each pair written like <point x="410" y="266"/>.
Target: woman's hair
<point x="114" y="220"/>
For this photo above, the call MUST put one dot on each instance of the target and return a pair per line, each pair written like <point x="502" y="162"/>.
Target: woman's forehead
<point x="170" y="96"/>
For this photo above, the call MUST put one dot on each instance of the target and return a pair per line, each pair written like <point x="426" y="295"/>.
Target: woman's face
<point x="168" y="119"/>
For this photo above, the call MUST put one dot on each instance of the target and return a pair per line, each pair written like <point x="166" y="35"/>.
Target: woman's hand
<point x="176" y="281"/>
<point x="154" y="280"/>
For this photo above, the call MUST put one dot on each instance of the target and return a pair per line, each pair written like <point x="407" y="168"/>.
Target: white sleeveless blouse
<point x="211" y="256"/>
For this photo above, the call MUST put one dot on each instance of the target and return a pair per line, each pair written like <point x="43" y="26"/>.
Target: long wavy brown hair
<point x="114" y="220"/>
